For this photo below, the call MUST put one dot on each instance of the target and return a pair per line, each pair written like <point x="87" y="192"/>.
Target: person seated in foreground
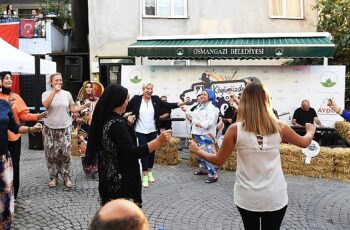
<point x="305" y="114"/>
<point x="119" y="214"/>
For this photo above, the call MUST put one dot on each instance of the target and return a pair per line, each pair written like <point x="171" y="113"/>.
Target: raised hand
<point x="165" y="136"/>
<point x="310" y="127"/>
<point x="57" y="87"/>
<point x="333" y="105"/>
<point x="131" y="119"/>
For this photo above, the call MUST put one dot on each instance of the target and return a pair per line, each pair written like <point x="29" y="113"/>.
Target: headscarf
<point x="211" y="96"/>
<point x="112" y="97"/>
<point x="2" y="76"/>
<point x="84" y="95"/>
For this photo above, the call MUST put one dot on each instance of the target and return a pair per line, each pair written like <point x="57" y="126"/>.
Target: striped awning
<point x="257" y="46"/>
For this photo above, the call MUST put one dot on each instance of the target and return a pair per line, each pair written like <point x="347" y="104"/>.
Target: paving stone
<point x="178" y="199"/>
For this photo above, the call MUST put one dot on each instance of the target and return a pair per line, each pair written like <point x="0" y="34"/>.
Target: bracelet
<point x="28" y="129"/>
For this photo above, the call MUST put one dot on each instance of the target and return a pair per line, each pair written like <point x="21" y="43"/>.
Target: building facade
<point x="115" y="24"/>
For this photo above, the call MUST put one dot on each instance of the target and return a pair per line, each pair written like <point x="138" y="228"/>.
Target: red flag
<point x="16" y="84"/>
<point x="9" y="32"/>
<point x="27" y="28"/>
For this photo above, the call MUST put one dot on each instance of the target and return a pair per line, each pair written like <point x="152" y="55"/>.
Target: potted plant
<point x="59" y="11"/>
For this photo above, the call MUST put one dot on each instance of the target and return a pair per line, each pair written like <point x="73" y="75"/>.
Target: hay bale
<point x="231" y="163"/>
<point x="75" y="144"/>
<point x="342" y="128"/>
<point x="342" y="163"/>
<point x="192" y="162"/>
<point x="168" y="153"/>
<point x="293" y="162"/>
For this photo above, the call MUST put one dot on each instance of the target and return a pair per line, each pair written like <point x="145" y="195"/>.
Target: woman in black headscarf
<point x="112" y="142"/>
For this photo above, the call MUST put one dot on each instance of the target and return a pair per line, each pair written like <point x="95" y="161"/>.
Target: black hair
<point x="4" y="73"/>
<point x="113" y="96"/>
<point x="2" y="76"/>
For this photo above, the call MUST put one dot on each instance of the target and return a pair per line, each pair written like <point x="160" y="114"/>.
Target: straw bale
<point x="342" y="128"/>
<point x="231" y="163"/>
<point x="329" y="163"/>
<point x="75" y="144"/>
<point x="342" y="163"/>
<point x="168" y="153"/>
<point x="192" y="162"/>
<point x="293" y="162"/>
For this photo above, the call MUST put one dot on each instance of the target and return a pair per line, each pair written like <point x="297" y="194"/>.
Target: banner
<point x="288" y="86"/>
<point x="9" y="32"/>
<point x="27" y="28"/>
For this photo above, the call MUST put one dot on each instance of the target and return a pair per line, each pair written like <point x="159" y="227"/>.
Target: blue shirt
<point x="346" y="115"/>
<point x="7" y="122"/>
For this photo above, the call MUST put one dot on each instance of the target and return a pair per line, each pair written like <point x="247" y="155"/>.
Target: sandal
<point x="53" y="183"/>
<point x="199" y="172"/>
<point x="211" y="180"/>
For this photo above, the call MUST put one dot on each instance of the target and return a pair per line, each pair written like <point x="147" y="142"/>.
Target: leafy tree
<point x="334" y="17"/>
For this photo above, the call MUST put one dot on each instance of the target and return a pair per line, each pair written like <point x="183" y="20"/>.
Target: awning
<point x="246" y="46"/>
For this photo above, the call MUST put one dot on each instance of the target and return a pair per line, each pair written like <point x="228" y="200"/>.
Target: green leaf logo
<point x="328" y="79"/>
<point x="135" y="76"/>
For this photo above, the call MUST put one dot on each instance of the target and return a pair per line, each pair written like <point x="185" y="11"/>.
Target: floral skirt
<point x="89" y="170"/>
<point x="7" y="198"/>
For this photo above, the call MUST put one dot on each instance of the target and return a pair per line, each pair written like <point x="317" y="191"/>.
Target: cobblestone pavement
<point x="178" y="199"/>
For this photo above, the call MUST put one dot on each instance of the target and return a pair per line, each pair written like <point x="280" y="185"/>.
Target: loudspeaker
<point x="73" y="68"/>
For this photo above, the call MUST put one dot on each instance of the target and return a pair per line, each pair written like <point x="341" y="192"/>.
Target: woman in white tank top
<point x="260" y="191"/>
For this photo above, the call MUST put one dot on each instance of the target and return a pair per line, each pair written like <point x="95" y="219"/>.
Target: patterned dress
<point x="118" y="165"/>
<point x="88" y="169"/>
<point x="7" y="122"/>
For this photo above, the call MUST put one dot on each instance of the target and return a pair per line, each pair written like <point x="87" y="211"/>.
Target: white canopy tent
<point x="14" y="60"/>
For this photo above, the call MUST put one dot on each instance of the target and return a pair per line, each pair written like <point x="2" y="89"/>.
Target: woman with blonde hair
<point x="57" y="130"/>
<point x="260" y="190"/>
<point x="146" y="108"/>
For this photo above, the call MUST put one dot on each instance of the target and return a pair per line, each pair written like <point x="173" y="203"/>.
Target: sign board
<point x="288" y="86"/>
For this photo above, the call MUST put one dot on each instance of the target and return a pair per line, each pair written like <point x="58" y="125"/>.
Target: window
<point x="165" y="8"/>
<point x="287" y="9"/>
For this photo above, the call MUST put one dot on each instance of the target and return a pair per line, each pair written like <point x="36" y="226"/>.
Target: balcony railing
<point x="29" y="26"/>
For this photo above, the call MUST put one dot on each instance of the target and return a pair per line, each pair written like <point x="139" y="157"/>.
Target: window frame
<point x="284" y="11"/>
<point x="171" y="13"/>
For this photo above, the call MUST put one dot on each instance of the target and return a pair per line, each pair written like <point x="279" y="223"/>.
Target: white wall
<point x="114" y="24"/>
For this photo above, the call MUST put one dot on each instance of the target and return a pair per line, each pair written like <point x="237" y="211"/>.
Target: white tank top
<point x="260" y="183"/>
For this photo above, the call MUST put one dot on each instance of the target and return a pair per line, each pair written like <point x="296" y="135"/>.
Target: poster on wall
<point x="288" y="85"/>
